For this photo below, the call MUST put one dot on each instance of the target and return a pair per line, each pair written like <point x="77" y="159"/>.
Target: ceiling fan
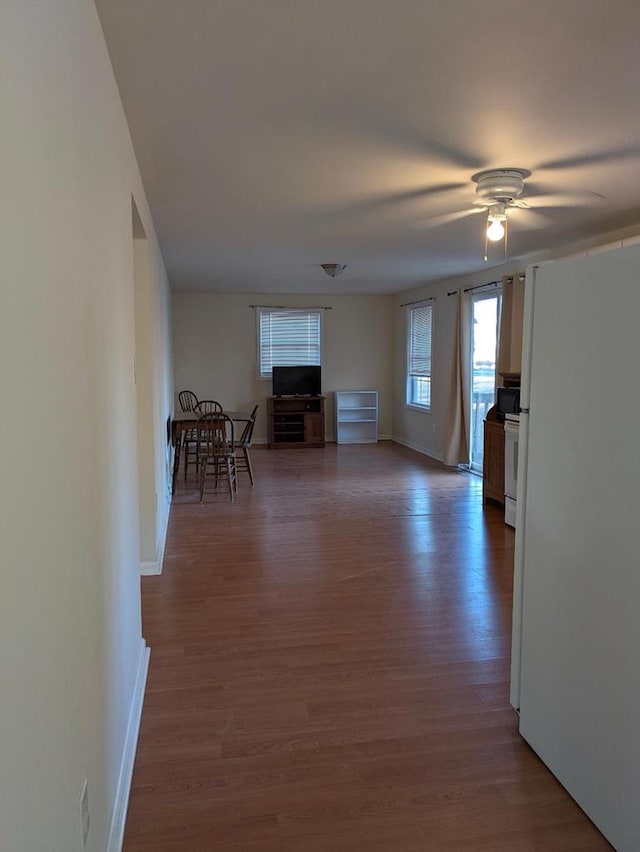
<point x="499" y="191"/>
<point x="511" y="195"/>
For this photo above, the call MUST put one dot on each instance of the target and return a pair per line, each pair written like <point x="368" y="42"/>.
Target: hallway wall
<point x="71" y="650"/>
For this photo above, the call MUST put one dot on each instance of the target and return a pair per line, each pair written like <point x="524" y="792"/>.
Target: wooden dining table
<point x="182" y="422"/>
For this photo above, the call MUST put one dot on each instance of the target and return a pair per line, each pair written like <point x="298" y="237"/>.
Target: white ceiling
<point x="276" y="135"/>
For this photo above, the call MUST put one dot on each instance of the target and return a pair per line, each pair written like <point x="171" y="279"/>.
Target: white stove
<point x="511" y="432"/>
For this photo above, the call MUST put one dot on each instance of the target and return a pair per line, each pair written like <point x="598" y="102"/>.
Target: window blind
<point x="420" y="320"/>
<point x="420" y="340"/>
<point x="287" y="337"/>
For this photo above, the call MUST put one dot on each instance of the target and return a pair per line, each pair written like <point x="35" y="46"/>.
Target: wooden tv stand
<point x="295" y="421"/>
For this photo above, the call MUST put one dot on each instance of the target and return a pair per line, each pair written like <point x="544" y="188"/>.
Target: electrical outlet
<point x="433" y="428"/>
<point x="84" y="813"/>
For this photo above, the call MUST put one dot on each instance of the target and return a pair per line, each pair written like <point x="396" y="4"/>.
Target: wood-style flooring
<point x="329" y="669"/>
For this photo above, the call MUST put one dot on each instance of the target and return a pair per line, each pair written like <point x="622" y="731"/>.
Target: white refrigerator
<point x="576" y="620"/>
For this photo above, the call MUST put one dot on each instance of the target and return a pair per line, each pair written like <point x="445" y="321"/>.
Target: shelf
<point x="356" y="417"/>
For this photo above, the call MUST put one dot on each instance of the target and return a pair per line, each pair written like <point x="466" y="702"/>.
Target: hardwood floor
<point x="329" y="669"/>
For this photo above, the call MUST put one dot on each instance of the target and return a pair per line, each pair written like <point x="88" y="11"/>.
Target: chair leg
<point x="190" y="455"/>
<point x="247" y="459"/>
<point x="203" y="474"/>
<point x="232" y="492"/>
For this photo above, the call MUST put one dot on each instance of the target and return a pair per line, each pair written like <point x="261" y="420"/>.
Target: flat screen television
<point x="297" y="381"/>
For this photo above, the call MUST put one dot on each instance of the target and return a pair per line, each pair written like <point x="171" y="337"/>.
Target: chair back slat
<point x="188" y="401"/>
<point x="209" y="406"/>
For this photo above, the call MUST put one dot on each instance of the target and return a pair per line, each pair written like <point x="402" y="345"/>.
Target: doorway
<point x="485" y="318"/>
<point x="145" y="401"/>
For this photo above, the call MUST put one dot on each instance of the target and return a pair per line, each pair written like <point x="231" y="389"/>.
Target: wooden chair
<point x="243" y="444"/>
<point x="216" y="449"/>
<point x="188" y="401"/>
<point x="209" y="406"/>
<point x="204" y="406"/>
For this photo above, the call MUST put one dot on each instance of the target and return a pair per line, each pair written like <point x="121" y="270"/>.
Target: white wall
<point x="70" y="632"/>
<point x="214" y="349"/>
<point x="425" y="430"/>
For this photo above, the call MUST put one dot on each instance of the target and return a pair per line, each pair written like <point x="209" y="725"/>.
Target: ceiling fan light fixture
<point x="496" y="221"/>
<point x="334" y="269"/>
<point x="495" y="230"/>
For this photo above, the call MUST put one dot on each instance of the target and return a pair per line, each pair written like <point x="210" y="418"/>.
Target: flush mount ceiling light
<point x="334" y="269"/>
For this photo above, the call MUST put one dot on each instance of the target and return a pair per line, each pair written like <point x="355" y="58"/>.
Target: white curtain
<point x="457" y="449"/>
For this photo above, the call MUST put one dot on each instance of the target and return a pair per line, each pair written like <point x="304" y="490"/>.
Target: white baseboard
<point x="435" y="456"/>
<point x="356" y="443"/>
<point x="123" y="788"/>
<point x="148" y="569"/>
<point x="329" y="439"/>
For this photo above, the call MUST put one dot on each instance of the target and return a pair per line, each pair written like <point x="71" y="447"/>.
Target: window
<point x="485" y="318"/>
<point x="287" y="337"/>
<point x="419" y="322"/>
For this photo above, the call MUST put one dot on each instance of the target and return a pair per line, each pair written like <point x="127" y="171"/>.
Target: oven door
<point x="511" y="429"/>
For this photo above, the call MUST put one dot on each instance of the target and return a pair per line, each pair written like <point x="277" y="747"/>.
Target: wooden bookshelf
<point x="356" y="414"/>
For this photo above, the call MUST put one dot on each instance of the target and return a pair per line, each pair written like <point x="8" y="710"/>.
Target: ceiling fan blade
<point x="377" y="202"/>
<point x="531" y="219"/>
<point x="446" y="218"/>
<point x="451" y="155"/>
<point x="395" y="130"/>
<point x="592" y="159"/>
<point x="572" y="198"/>
<point x="419" y="192"/>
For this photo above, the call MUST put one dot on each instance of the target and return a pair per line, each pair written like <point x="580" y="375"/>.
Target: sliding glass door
<point x="485" y="318"/>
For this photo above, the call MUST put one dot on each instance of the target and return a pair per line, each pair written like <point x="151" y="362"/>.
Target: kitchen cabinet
<point x="510" y="345"/>
<point x="493" y="461"/>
